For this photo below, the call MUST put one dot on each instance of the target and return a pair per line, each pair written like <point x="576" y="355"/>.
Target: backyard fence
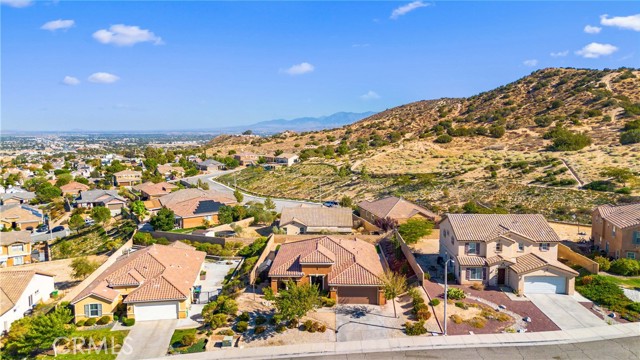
<point x="565" y="253"/>
<point x="269" y="247"/>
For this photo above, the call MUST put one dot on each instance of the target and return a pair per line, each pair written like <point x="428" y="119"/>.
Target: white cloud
<point x="103" y="78"/>
<point x="530" y="62"/>
<point x="560" y="53"/>
<point x="70" y="80"/>
<point x="58" y="25"/>
<point x="370" y="95"/>
<point x="299" y="69"/>
<point x="631" y="22"/>
<point x="595" y="50"/>
<point x="592" y="29"/>
<point x="125" y="35"/>
<point x="405" y="9"/>
<point x="16" y="3"/>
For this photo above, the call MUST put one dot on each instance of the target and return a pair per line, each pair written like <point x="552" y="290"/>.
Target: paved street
<point x="38" y="237"/>
<point x="213" y="185"/>
<point x="148" y="339"/>
<point x="565" y="311"/>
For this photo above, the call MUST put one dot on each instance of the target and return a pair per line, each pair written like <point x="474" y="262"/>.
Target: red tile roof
<point x="395" y="208"/>
<point x="622" y="216"/>
<point x="487" y="227"/>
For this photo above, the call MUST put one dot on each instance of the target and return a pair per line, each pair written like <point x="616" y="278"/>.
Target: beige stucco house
<point x="616" y="230"/>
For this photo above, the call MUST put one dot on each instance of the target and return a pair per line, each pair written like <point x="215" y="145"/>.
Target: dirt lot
<point x="570" y="232"/>
<point x="60" y="268"/>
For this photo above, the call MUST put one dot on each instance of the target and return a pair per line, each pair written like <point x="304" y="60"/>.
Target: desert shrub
<point x="478" y="322"/>
<point x="634" y="306"/>
<point x="457" y="319"/>
<point x="293" y="323"/>
<point x="496" y="131"/>
<point x="462" y="305"/>
<point x="604" y="291"/>
<point x="307" y="325"/>
<point x="90" y="322"/>
<point x="80" y="323"/>
<point x="416" y="328"/>
<point x="443" y="139"/>
<point x="276" y="319"/>
<point x="242" y="326"/>
<point x="128" y="322"/>
<point x="423" y="314"/>
<point x="419" y="307"/>
<point x="455" y="294"/>
<point x="434" y="302"/>
<point x="600" y="185"/>
<point x="630" y="137"/>
<point x="566" y="140"/>
<point x="543" y="121"/>
<point x="327" y="302"/>
<point x="502" y="317"/>
<point x="188" y="339"/>
<point x="226" y="332"/>
<point x="322" y="328"/>
<point x="259" y="329"/>
<point x="477" y="286"/>
<point x="624" y="190"/>
<point x="280" y="328"/>
<point x="261" y="320"/>
<point x="218" y="320"/>
<point x="104" y="320"/>
<point x="243" y="317"/>
<point x="603" y="262"/>
<point x="586" y="280"/>
<point x="625" y="267"/>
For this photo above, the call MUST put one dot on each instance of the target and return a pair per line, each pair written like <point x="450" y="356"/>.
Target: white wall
<point x="41" y="284"/>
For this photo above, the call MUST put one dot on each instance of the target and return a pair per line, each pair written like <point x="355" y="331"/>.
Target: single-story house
<point x="20" y="291"/>
<point x="17" y="197"/>
<point x="395" y="208"/>
<point x="350" y="270"/>
<point x="247" y="158"/>
<point x="15" y="248"/>
<point x="18" y="216"/>
<point x="193" y="207"/>
<point x="315" y="220"/>
<point x="107" y="198"/>
<point x="286" y="159"/>
<point x="154" y="283"/>
<point x="170" y="172"/>
<point x="149" y="190"/>
<point x="73" y="188"/>
<point x="210" y="165"/>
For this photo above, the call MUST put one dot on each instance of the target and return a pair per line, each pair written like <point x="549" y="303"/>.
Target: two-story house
<point x="616" y="230"/>
<point x="127" y="178"/>
<point x="15" y="248"/>
<point x="518" y="251"/>
<point x="22" y="290"/>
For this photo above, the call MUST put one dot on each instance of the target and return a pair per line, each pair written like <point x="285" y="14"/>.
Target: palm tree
<point x="394" y="284"/>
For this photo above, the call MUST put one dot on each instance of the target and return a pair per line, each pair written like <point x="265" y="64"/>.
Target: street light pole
<point x="446" y="272"/>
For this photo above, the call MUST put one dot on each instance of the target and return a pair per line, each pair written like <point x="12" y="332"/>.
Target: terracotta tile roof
<point x="12" y="284"/>
<point x="181" y="245"/>
<point x="127" y="172"/>
<point x="317" y="216"/>
<point x="531" y="262"/>
<point x="496" y="260"/>
<point x="622" y="216"/>
<point x="13" y="237"/>
<point x="354" y="262"/>
<point x="159" y="272"/>
<point x="395" y="208"/>
<point x="471" y="261"/>
<point x="19" y="213"/>
<point x="73" y="187"/>
<point x="486" y="227"/>
<point x="196" y="202"/>
<point x="161" y="188"/>
<point x="163" y="169"/>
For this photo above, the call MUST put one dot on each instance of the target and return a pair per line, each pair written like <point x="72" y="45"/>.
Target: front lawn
<point x="605" y="292"/>
<point x="187" y="230"/>
<point x="631" y="282"/>
<point x="102" y="338"/>
<point x="177" y="341"/>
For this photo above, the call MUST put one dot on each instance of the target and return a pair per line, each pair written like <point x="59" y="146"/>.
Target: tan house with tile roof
<point x="20" y="291"/>
<point x="616" y="230"/>
<point x="349" y="270"/>
<point x="151" y="284"/>
<point x="395" y="208"/>
<point x="519" y="251"/>
<point x="15" y="248"/>
<point x="193" y="207"/>
<point x="315" y="220"/>
<point x="18" y="216"/>
<point x="170" y="171"/>
<point x="150" y="191"/>
<point x="127" y="178"/>
<point x="73" y="188"/>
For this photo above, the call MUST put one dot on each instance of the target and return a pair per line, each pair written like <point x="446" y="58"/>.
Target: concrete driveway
<point x="366" y="322"/>
<point x="565" y="311"/>
<point x="148" y="339"/>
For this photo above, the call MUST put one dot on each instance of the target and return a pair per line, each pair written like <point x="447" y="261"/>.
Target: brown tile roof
<point x="127" y="172"/>
<point x="496" y="260"/>
<point x="531" y="262"/>
<point x="486" y="227"/>
<point x="19" y="213"/>
<point x="471" y="261"/>
<point x="163" y="169"/>
<point x="181" y="245"/>
<point x="622" y="216"/>
<point x="195" y="202"/>
<point x="12" y="284"/>
<point x="74" y="186"/>
<point x="13" y="237"/>
<point x="395" y="208"/>
<point x="317" y="216"/>
<point x="161" y="188"/>
<point x="354" y="262"/>
<point x="159" y="272"/>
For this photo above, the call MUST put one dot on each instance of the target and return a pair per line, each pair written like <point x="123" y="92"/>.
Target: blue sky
<point x="183" y="65"/>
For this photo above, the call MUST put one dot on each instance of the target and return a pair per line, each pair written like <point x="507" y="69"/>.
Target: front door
<point x="501" y="276"/>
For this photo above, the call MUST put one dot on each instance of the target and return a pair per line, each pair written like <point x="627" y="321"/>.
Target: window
<point x="613" y="231"/>
<point x="520" y="247"/>
<point x="93" y="310"/>
<point x="544" y="247"/>
<point x="473" y="248"/>
<point x="475" y="274"/>
<point x="636" y="238"/>
<point x="498" y="247"/>
<point x="18" y="260"/>
<point x="631" y="255"/>
<point x="17" y="248"/>
<point x="30" y="300"/>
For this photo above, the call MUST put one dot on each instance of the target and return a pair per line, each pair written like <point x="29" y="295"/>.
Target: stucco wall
<point x="40" y="288"/>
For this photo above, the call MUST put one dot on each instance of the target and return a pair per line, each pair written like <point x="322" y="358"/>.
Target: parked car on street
<point x="57" y="228"/>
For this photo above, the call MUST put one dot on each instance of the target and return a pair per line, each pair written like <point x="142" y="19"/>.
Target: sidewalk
<point x="425" y="343"/>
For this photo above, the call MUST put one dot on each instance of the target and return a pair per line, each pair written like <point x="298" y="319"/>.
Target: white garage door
<point x="156" y="311"/>
<point x="545" y="285"/>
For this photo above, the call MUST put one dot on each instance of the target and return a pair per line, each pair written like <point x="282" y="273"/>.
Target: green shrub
<point x="322" y="328"/>
<point x="128" y="322"/>
<point x="268" y="293"/>
<point x="603" y="263"/>
<point x="630" y="137"/>
<point x="455" y="294"/>
<point x="443" y="139"/>
<point x="218" y="321"/>
<point x="307" y="325"/>
<point x="80" y="323"/>
<point x="462" y="305"/>
<point x="457" y="319"/>
<point x="104" y="320"/>
<point x="90" y="322"/>
<point x="188" y="339"/>
<point x="280" y="328"/>
<point x="293" y="323"/>
<point x="416" y="328"/>
<point x="434" y="302"/>
<point x="243" y="317"/>
<point x="625" y="267"/>
<point x="261" y="320"/>
<point x="600" y="185"/>
<point x="259" y="329"/>
<point x="604" y="291"/>
<point x="478" y="322"/>
<point x="423" y="314"/>
<point x="242" y="326"/>
<point x="566" y="140"/>
<point x="226" y="332"/>
<point x="634" y="306"/>
<point x="624" y="190"/>
<point x="327" y="302"/>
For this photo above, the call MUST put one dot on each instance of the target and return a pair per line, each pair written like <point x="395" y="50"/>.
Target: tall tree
<point x="164" y="220"/>
<point x="238" y="195"/>
<point x="82" y="267"/>
<point x="269" y="204"/>
<point x="100" y="214"/>
<point x="76" y="222"/>
<point x="394" y="285"/>
<point x="138" y="208"/>
<point x="297" y="300"/>
<point x="414" y="229"/>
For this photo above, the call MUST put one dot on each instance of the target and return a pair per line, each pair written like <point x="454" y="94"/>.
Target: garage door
<point x="545" y="284"/>
<point x="156" y="311"/>
<point x="357" y="295"/>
